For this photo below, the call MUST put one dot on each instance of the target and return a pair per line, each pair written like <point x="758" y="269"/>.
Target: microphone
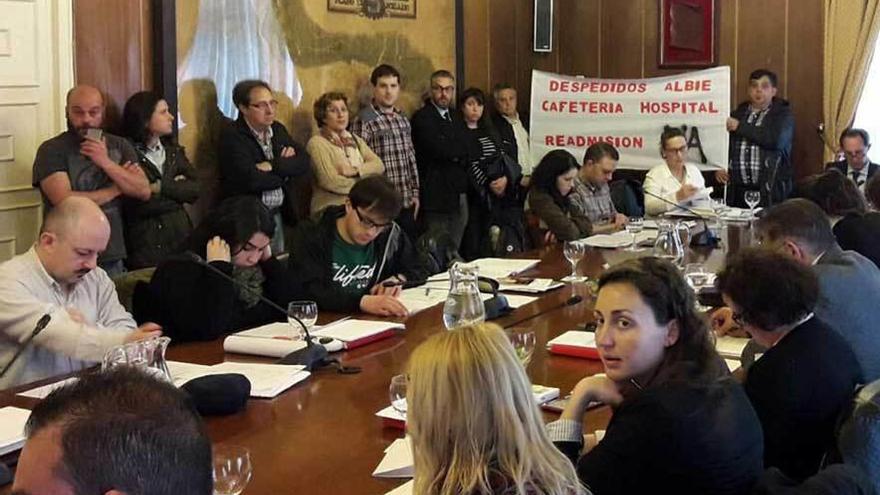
<point x="41" y="324"/>
<point x="312" y="357"/>
<point x="571" y="301"/>
<point x="704" y="238"/>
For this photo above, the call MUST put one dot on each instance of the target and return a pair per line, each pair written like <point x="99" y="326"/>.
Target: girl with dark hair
<point x="552" y="182"/>
<point x="855" y="228"/>
<point x="681" y="424"/>
<point x="191" y="302"/>
<point x="676" y="181"/>
<point x="155" y="228"/>
<point x="806" y="377"/>
<point x="495" y="198"/>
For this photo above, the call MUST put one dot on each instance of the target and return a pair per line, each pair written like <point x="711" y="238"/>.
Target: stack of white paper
<point x="12" y="421"/>
<point x="420" y="298"/>
<point x="535" y="286"/>
<point x="502" y="267"/>
<point x="619" y="239"/>
<point x="267" y="380"/>
<point x="352" y="330"/>
<point x="272" y="340"/>
<point x="391" y="413"/>
<point x="398" y="460"/>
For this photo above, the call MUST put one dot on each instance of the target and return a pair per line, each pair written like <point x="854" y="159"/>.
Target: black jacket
<point x="798" y="388"/>
<point x="240" y="152"/>
<point x="441" y="157"/>
<point x="505" y="130"/>
<point x="311" y="260"/>
<point x="843" y="167"/>
<point x="774" y="137"/>
<point x="859" y="233"/>
<point x="676" y="438"/>
<point x="156" y="228"/>
<point x="193" y="303"/>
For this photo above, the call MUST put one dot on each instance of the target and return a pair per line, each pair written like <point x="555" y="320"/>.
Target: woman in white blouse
<point x="675" y="181"/>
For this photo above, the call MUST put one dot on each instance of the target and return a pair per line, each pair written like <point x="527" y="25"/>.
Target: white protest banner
<point x="575" y="112"/>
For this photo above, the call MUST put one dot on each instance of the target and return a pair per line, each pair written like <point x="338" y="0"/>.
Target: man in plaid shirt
<point x="761" y="132"/>
<point x="388" y="133"/>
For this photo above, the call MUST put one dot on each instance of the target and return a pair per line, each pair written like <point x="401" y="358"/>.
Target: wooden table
<point x="322" y="436"/>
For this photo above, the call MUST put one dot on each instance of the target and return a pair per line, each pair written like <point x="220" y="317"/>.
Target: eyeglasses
<point x="369" y="224"/>
<point x="265" y="105"/>
<point x="681" y="150"/>
<point x="443" y="89"/>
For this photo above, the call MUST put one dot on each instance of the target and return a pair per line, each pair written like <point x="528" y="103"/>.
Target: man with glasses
<point x="355" y="257"/>
<point x="849" y="283"/>
<point x="761" y="131"/>
<point x="854" y="144"/>
<point x="441" y="156"/>
<point x="257" y="155"/>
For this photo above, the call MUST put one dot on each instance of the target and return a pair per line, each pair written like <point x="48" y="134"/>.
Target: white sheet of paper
<point x="267" y="380"/>
<point x="730" y="347"/>
<point x="45" y="390"/>
<point x="261" y="346"/>
<point x="404" y="489"/>
<point x="398" y="460"/>
<point x="270" y="330"/>
<point x="12" y="421"/>
<point x="391" y="413"/>
<point x="619" y="239"/>
<point x="732" y="364"/>
<point x="536" y="286"/>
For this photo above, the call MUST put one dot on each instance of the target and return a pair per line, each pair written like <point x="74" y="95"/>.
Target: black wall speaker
<point x="543" y="26"/>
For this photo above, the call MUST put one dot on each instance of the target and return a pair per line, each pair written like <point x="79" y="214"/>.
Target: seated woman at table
<point x="855" y="228"/>
<point x="339" y="158"/>
<point x="192" y="302"/>
<point x="681" y="424"/>
<point x="552" y="182"/>
<point x="808" y="373"/>
<point x="675" y="181"/>
<point x="474" y="424"/>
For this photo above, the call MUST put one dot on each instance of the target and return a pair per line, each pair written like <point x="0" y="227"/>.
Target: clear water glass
<point x="574" y="251"/>
<point x="463" y="305"/>
<point x="752" y="198"/>
<point x="633" y="227"/>
<point x="397" y="393"/>
<point x="306" y="312"/>
<point x="523" y="344"/>
<point x="232" y="469"/>
<point x="697" y="277"/>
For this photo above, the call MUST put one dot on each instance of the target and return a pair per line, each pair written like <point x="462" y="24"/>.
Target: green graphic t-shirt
<point x="353" y="266"/>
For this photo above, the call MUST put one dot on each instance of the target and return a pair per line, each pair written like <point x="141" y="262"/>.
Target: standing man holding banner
<point x="761" y="131"/>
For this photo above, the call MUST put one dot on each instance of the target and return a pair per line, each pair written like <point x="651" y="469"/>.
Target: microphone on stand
<point x="571" y="301"/>
<point x="704" y="238"/>
<point x="312" y="357"/>
<point x="41" y="324"/>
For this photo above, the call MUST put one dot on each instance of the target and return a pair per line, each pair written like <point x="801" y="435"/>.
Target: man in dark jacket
<point x="441" y="157"/>
<point x="513" y="128"/>
<point x="355" y="258"/>
<point x="257" y="155"/>
<point x="761" y="132"/>
<point x="854" y="144"/>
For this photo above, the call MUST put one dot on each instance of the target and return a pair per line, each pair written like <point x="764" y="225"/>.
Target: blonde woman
<point x="339" y="158"/>
<point x="474" y="424"/>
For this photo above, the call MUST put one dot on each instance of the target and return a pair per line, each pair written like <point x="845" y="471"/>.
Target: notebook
<point x="12" y="421"/>
<point x="271" y="340"/>
<point x="355" y="333"/>
<point x="730" y="347"/>
<point x="575" y="343"/>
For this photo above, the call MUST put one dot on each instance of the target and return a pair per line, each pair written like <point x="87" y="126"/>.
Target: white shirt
<point x="523" y="150"/>
<point x="156" y="155"/>
<point x="661" y="182"/>
<point x="27" y="292"/>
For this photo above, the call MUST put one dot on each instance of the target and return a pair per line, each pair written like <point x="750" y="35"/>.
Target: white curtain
<point x="236" y="40"/>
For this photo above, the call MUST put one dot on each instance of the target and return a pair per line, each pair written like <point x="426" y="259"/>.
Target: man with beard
<point x="85" y="162"/>
<point x="59" y="276"/>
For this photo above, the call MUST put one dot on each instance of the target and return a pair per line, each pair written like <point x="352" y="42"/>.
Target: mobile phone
<point x="94" y="134"/>
<point x="558" y="405"/>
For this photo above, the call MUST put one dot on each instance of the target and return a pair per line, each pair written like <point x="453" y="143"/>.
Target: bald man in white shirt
<point x="59" y="276"/>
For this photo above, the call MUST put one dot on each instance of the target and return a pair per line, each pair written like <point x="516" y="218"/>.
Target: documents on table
<point x="619" y="239"/>
<point x="392" y="418"/>
<point x="12" y="421"/>
<point x="45" y="390"/>
<point x="420" y="298"/>
<point x="496" y="268"/>
<point x="404" y="489"/>
<point x="272" y="340"/>
<point x="575" y="343"/>
<point x="267" y="380"/>
<point x="355" y="333"/>
<point x="398" y="460"/>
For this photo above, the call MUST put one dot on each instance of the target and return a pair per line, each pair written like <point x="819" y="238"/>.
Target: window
<point x="868" y="109"/>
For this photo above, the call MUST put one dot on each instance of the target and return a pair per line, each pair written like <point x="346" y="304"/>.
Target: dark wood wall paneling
<point x="113" y="49"/>
<point x="619" y="39"/>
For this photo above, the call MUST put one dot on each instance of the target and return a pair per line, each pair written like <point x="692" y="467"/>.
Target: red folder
<point x="352" y="344"/>
<point x="575" y="351"/>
